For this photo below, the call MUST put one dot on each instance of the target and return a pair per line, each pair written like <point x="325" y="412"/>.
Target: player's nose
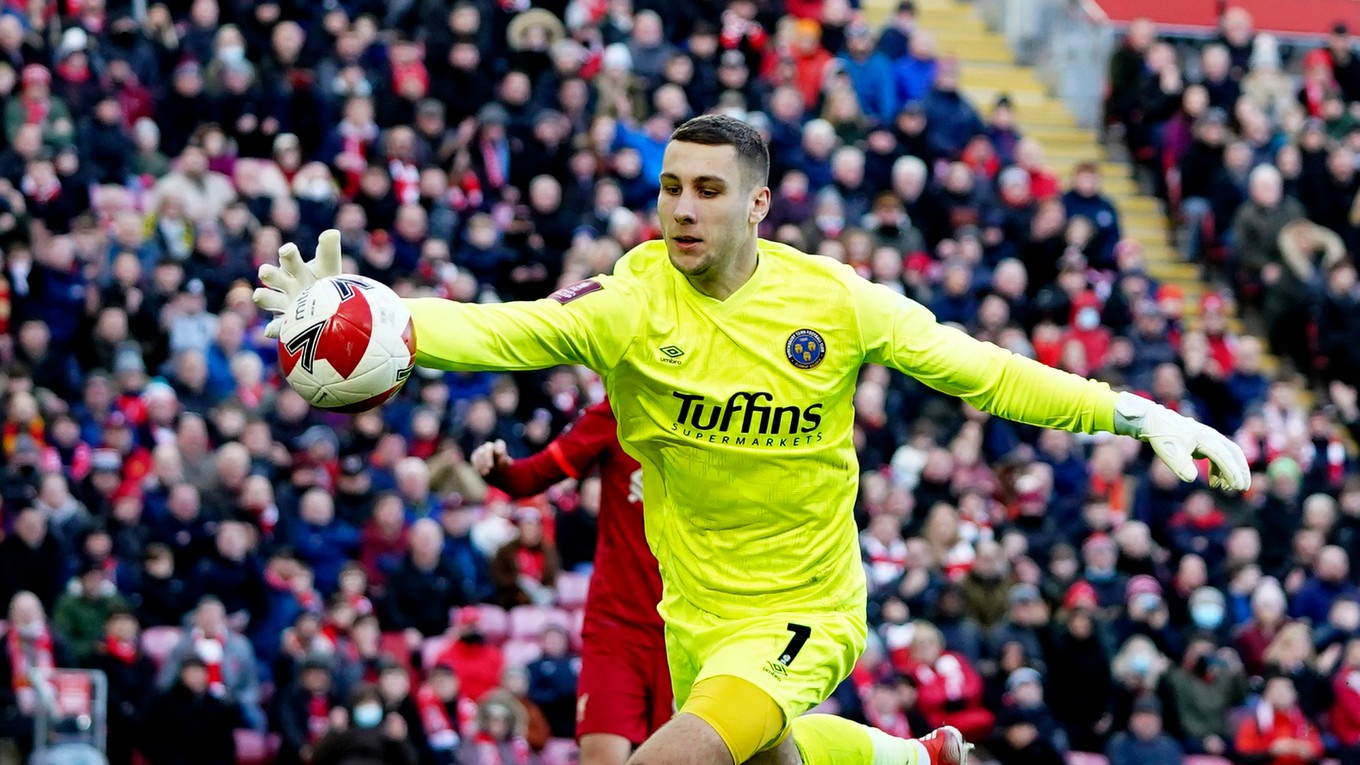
<point x="684" y="208"/>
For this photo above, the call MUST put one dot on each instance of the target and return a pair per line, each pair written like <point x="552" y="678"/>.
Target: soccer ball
<point x="347" y="344"/>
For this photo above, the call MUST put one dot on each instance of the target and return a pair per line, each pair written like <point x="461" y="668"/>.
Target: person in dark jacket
<point x="362" y="735"/>
<point x="1085" y="199"/>
<point x="187" y="725"/>
<point x="1144" y="743"/>
<point x="1018" y="741"/>
<point x="31" y="560"/>
<point x="552" y="682"/>
<point x="131" y="678"/>
<point x="423" y="588"/>
<point x="304" y="712"/>
<point x="232" y="573"/>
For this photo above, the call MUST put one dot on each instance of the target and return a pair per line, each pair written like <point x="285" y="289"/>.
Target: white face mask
<point x="31" y="631"/>
<point x="1088" y="319"/>
<point x="368" y="715"/>
<point x="232" y="54"/>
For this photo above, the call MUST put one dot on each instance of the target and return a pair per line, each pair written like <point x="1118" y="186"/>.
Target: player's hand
<point x="489" y="457"/>
<point x="1179" y="441"/>
<point x="635" y="486"/>
<point x="284" y="282"/>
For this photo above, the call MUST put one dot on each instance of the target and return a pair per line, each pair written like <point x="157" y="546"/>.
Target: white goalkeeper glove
<point x="1179" y="441"/>
<point x="284" y="282"/>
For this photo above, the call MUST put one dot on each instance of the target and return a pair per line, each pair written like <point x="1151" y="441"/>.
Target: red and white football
<point x="347" y="344"/>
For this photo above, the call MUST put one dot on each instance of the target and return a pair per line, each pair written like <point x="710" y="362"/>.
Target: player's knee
<point x="685" y="739"/>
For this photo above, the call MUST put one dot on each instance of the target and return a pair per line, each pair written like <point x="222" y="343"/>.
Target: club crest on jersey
<point x="805" y="348"/>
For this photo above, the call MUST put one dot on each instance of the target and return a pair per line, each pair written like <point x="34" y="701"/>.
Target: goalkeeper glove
<point x="1179" y="440"/>
<point x="284" y="282"/>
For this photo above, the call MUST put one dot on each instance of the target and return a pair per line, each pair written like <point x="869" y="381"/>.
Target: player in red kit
<point x="624" y="692"/>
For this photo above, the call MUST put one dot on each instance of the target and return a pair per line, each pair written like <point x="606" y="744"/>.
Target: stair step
<point x="1008" y="79"/>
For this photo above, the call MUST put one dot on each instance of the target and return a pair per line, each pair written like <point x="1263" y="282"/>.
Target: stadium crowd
<point x="258" y="579"/>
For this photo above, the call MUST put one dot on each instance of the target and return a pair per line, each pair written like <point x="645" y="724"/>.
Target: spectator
<point x="1020" y="742"/>
<point x="1277" y="728"/>
<point x="552" y="681"/>
<point x="304" y="711"/>
<point x="950" y="689"/>
<point x="423" y="588"/>
<point x="1207" y="684"/>
<point x="477" y="663"/>
<point x="81" y="613"/>
<point x="227" y="659"/>
<point x="31" y="560"/>
<point x="31" y="647"/>
<point x="362" y="733"/>
<point x="191" y="723"/>
<point x="131" y="677"/>
<point x="525" y="569"/>
<point x="1144" y="742"/>
<point x="1330" y="580"/>
<point x="500" y="737"/>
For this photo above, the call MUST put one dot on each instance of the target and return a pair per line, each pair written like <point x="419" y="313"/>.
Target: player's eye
<point x="708" y="193"/>
<point x="672" y="190"/>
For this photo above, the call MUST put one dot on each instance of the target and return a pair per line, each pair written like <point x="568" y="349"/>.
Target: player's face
<point x="708" y="209"/>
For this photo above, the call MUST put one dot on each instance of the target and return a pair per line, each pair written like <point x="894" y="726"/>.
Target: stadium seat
<point x="529" y="621"/>
<point x="394" y="644"/>
<point x="520" y="652"/>
<point x="560" y="751"/>
<point x="431" y="648"/>
<point x="158" y="642"/>
<point x="572" y="589"/>
<point x="1086" y="758"/>
<point x="255" y="748"/>
<point x="495" y="623"/>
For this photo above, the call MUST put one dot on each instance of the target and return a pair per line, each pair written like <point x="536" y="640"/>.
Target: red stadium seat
<point x="158" y="642"/>
<point x="527" y="621"/>
<point x="255" y="748"/>
<point x="394" y="644"/>
<point x="572" y="589"/>
<point x="520" y="652"/>
<point x="431" y="648"/>
<point x="495" y="623"/>
<point x="560" y="751"/>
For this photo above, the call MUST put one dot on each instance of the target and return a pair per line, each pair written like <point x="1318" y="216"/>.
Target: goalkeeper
<point x="731" y="364"/>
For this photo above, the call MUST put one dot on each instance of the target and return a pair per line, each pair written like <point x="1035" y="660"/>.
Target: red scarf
<point x="530" y="563"/>
<point x="36" y="110"/>
<point x="405" y="181"/>
<point x="211" y="650"/>
<point x="124" y="652"/>
<point x="318" y="717"/>
<point x="434" y="717"/>
<point x="26" y="656"/>
<point x="490" y="752"/>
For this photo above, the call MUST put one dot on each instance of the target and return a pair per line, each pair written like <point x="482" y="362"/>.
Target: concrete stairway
<point x="988" y="70"/>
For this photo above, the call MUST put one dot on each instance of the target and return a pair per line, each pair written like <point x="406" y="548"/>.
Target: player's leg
<point x="612" y="699"/>
<point x="605" y="749"/>
<point x="827" y="739"/>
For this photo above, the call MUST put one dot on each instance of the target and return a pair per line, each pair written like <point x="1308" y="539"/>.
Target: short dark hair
<point x="722" y="130"/>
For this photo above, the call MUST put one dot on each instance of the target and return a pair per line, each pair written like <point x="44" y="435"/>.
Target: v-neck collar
<point x="736" y="299"/>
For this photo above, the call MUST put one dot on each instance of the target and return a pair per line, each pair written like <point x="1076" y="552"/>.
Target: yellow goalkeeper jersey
<point x="740" y="410"/>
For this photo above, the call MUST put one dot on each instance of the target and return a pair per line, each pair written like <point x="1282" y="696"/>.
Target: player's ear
<point x="760" y="205"/>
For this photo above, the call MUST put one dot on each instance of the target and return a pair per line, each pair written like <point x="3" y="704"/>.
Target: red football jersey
<point x="626" y="584"/>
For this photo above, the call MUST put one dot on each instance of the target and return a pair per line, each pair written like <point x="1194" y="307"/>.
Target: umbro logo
<point x="672" y="351"/>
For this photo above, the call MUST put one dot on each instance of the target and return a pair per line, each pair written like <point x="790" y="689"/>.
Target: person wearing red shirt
<point x="624" y="692"/>
<point x="1277" y="732"/>
<point x="477" y="663"/>
<point x="1345" y="716"/>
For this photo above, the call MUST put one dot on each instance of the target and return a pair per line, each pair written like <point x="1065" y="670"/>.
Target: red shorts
<point x="625" y="684"/>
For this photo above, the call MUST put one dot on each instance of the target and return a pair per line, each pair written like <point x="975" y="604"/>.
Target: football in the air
<point x="347" y="344"/>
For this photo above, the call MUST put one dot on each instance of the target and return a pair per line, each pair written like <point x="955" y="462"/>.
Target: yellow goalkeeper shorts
<point x="797" y="659"/>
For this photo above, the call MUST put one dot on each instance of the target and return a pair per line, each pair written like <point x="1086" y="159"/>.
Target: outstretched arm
<point x="588" y="323"/>
<point x="903" y="334"/>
